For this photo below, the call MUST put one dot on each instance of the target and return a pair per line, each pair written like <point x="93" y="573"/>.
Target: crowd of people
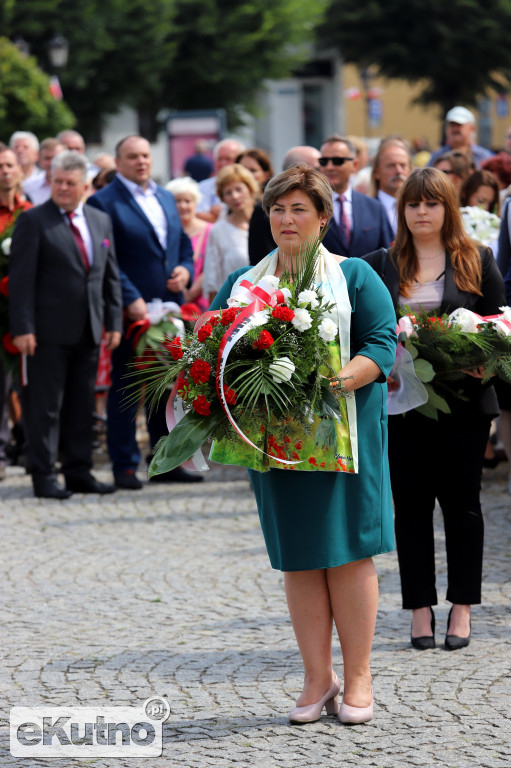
<point x="91" y="243"/>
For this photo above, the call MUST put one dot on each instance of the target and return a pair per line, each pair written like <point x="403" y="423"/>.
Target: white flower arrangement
<point x="480" y="224"/>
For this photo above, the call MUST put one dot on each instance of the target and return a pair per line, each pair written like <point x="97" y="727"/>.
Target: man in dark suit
<point x="156" y="262"/>
<point x="359" y="224"/>
<point x="63" y="287"/>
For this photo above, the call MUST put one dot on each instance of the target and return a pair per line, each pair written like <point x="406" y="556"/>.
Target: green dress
<point x="316" y="520"/>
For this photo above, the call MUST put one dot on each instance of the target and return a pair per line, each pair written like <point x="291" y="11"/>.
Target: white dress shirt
<point x="147" y="200"/>
<point x="80" y="223"/>
<point x="390" y="205"/>
<point x="37" y="188"/>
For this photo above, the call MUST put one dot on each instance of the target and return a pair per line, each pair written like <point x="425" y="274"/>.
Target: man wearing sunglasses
<point x="359" y="224"/>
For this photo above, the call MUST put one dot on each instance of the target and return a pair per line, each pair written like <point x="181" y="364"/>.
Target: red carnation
<point x="281" y="312"/>
<point x="4" y="286"/>
<point x="228" y="316"/>
<point x="199" y="371"/>
<point x="174" y="348"/>
<point x="202" y="406"/>
<point x="205" y="331"/>
<point x="213" y="321"/>
<point x="230" y="395"/>
<point x="8" y="345"/>
<point x="263" y="341"/>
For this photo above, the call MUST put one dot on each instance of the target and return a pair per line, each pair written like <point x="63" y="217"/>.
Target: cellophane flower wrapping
<point x="445" y="347"/>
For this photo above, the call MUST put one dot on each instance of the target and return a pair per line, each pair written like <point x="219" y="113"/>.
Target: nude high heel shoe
<point x="351" y="715"/>
<point x="312" y="712"/>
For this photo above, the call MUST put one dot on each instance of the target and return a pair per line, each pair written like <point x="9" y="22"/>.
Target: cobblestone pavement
<point x="168" y="591"/>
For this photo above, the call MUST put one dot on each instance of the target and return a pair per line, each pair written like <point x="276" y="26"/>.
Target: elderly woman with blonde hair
<point x="187" y="195"/>
<point x="227" y="248"/>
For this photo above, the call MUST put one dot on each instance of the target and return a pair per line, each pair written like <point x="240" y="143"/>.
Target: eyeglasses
<point x="323" y="161"/>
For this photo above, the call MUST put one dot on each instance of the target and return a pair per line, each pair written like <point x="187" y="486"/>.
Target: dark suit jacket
<point x="482" y="396"/>
<point x="50" y="292"/>
<point x="144" y="266"/>
<point x="370" y="229"/>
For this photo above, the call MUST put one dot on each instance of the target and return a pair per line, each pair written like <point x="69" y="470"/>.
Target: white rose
<point x="302" y="321"/>
<point x="308" y="297"/>
<point x="6" y="245"/>
<point x="506" y="313"/>
<point x="327" y="329"/>
<point x="282" y="369"/>
<point x="465" y="319"/>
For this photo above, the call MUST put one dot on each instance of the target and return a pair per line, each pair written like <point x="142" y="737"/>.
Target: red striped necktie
<point x="78" y="240"/>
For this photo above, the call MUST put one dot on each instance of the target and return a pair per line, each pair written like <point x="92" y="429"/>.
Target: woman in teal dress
<point x="323" y="528"/>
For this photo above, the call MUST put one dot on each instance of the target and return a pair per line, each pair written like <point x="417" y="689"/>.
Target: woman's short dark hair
<point x="260" y="156"/>
<point x="476" y="180"/>
<point x="306" y="179"/>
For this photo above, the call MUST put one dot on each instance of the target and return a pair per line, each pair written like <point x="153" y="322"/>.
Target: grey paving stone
<point x="169" y="591"/>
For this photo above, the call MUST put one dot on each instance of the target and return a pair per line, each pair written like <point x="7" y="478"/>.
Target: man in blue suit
<point x="156" y="262"/>
<point x="359" y="224"/>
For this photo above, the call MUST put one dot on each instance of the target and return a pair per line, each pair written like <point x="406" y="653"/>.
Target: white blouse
<point x="226" y="251"/>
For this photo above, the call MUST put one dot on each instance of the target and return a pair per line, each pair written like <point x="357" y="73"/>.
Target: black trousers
<point x="438" y="460"/>
<point x="59" y="403"/>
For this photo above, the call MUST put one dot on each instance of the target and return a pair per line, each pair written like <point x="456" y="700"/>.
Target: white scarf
<point x="332" y="284"/>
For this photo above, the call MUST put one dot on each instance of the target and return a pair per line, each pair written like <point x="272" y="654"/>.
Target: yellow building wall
<point x="399" y="115"/>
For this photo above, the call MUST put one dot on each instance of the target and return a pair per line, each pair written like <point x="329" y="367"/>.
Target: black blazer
<point x="494" y="296"/>
<point x="50" y="293"/>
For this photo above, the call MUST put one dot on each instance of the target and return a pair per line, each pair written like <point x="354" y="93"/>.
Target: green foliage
<point x="455" y="49"/>
<point x="25" y="99"/>
<point x="184" y="440"/>
<point x="225" y="49"/>
<point x="174" y="54"/>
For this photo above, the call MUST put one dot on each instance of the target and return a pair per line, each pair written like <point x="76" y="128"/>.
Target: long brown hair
<point x="431" y="184"/>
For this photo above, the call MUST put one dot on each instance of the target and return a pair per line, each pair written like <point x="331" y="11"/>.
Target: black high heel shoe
<point x="425" y="642"/>
<point x="455" y="642"/>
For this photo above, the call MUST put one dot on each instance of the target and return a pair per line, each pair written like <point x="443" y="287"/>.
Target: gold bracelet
<point x="339" y="388"/>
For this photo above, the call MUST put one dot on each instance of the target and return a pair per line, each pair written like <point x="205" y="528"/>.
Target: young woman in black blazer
<point x="434" y="264"/>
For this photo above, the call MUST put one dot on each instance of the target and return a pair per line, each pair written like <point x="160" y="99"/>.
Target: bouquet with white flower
<point x="443" y="349"/>
<point x="255" y="378"/>
<point x="480" y="224"/>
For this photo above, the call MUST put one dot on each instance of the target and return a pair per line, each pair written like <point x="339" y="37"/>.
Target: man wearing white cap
<point x="460" y="125"/>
